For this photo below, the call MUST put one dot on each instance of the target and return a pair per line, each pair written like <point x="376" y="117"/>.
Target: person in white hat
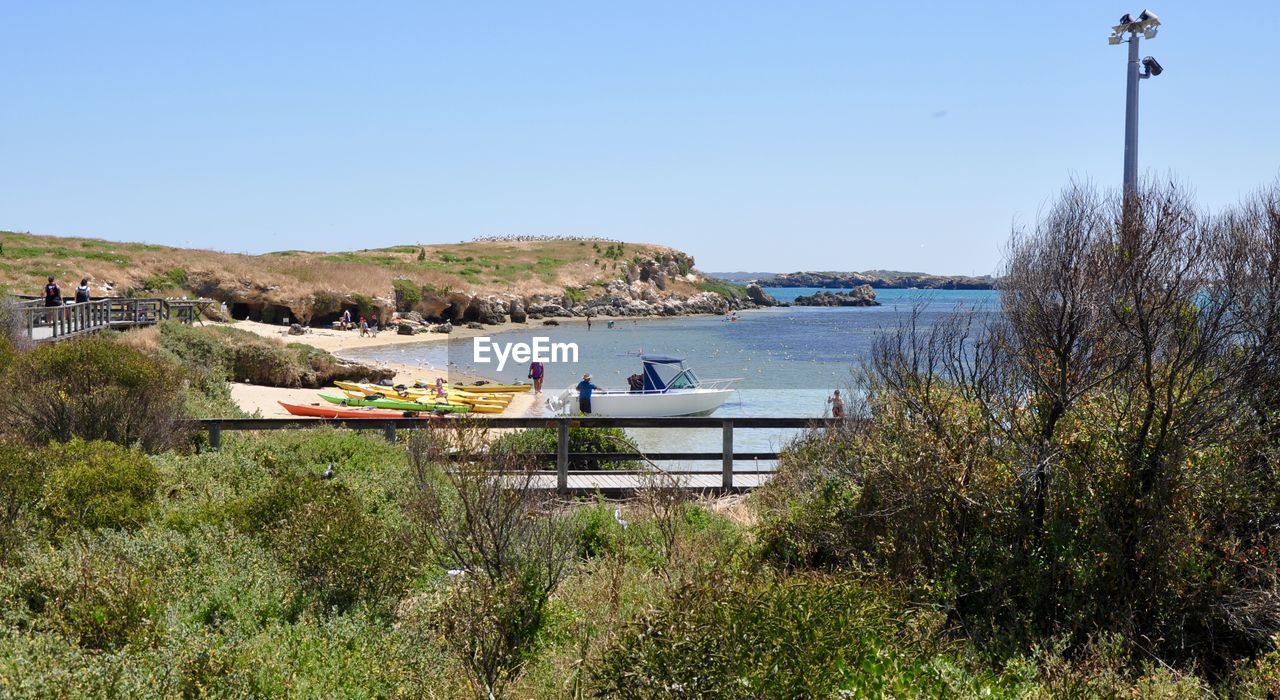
<point x="585" y="387"/>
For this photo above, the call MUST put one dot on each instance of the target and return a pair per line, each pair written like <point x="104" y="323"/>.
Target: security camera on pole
<point x="1145" y="26"/>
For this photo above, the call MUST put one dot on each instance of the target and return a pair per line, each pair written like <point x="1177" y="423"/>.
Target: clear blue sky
<point x="760" y="136"/>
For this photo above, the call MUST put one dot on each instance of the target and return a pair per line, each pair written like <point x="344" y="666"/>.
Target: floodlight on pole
<point x="1145" y="26"/>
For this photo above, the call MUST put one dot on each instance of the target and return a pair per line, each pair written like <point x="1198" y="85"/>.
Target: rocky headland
<point x="417" y="288"/>
<point x="862" y="295"/>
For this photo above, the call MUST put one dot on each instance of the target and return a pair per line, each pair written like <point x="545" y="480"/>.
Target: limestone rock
<point x="760" y="297"/>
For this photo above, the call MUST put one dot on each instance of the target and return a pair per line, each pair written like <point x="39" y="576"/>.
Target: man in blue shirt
<point x="585" y="387"/>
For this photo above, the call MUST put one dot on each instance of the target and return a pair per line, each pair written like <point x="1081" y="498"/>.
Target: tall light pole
<point x="1145" y="26"/>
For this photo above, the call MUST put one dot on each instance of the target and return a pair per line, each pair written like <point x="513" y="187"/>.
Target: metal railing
<point x="562" y="457"/>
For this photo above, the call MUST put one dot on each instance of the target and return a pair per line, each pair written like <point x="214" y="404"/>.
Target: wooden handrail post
<point x="215" y="436"/>
<point x="562" y="456"/>
<point x="726" y="465"/>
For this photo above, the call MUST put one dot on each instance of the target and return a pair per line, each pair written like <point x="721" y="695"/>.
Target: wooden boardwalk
<point x="623" y="484"/>
<point x="53" y="323"/>
<point x="738" y="470"/>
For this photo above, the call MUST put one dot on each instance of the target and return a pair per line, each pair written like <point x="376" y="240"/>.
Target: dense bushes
<point x="22" y="474"/>
<point x="98" y="484"/>
<point x="798" y="637"/>
<point x="1095" y="459"/>
<point x="94" y="389"/>
<point x="544" y="440"/>
<point x="338" y="553"/>
<point x="218" y="354"/>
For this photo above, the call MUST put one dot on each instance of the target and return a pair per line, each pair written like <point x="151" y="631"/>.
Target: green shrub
<point x="91" y="592"/>
<point x="13" y="334"/>
<point x="575" y="295"/>
<point x="324" y="303"/>
<point x="196" y="348"/>
<point x="596" y="531"/>
<point x="98" y="485"/>
<point x="798" y="637"/>
<point x="728" y="290"/>
<point x="544" y="440"/>
<point x="407" y="293"/>
<point x="269" y="364"/>
<point x="207" y="359"/>
<point x="175" y="278"/>
<point x="365" y="306"/>
<point x="340" y="554"/>
<point x="22" y="475"/>
<point x="95" y="389"/>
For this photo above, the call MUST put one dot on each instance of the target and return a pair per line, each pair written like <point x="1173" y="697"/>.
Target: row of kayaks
<point x="362" y="400"/>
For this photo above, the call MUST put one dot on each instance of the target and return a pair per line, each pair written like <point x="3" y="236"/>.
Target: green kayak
<point x="398" y="405"/>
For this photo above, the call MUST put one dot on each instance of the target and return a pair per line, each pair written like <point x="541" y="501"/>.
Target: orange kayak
<point x="342" y="411"/>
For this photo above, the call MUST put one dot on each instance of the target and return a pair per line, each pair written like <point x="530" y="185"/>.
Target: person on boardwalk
<point x="837" y="405"/>
<point x="82" y="292"/>
<point x="536" y="371"/>
<point x="52" y="298"/>
<point x="585" y="387"/>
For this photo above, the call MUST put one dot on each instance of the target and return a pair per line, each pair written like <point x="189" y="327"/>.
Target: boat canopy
<point x="654" y="379"/>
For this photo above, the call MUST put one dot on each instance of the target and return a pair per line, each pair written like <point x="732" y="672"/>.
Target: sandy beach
<point x="264" y="400"/>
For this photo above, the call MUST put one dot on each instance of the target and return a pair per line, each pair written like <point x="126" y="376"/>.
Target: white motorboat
<point x="665" y="387"/>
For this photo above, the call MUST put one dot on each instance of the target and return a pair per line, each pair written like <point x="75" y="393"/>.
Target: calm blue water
<point x="789" y="359"/>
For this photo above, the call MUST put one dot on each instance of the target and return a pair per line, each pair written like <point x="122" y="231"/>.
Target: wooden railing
<point x="51" y="323"/>
<point x="562" y="457"/>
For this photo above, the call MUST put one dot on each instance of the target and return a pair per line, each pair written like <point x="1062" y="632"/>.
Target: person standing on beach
<point x="346" y="319"/>
<point x="585" y="387"/>
<point x="536" y="372"/>
<point x="82" y="292"/>
<point x="364" y="326"/>
<point x="837" y="405"/>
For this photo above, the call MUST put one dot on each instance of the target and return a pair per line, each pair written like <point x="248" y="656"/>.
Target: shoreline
<point x="253" y="398"/>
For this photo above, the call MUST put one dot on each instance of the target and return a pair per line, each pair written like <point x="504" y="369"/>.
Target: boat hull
<point x="700" y="402"/>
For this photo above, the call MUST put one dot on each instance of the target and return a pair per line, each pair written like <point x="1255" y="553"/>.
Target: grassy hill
<point x="292" y="283"/>
<point x="538" y="266"/>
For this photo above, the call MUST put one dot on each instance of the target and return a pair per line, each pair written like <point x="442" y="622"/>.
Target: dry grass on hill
<point x="528" y="267"/>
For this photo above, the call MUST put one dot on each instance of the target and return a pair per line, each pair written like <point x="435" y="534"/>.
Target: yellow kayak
<point x="493" y="388"/>
<point x="414" y="394"/>
<point x="415" y="391"/>
<point x="477" y="405"/>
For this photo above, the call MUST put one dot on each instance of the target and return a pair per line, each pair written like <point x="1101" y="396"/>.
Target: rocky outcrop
<point x="759" y="297"/>
<point x="877" y="279"/>
<point x="862" y="295"/>
<point x="516" y="312"/>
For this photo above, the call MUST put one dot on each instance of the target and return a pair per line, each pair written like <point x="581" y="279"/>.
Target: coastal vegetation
<point x="1075" y="496"/>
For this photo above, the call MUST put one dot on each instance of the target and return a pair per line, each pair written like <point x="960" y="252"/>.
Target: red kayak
<point x="343" y="411"/>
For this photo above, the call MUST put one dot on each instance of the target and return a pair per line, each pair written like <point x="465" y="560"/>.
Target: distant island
<point x="879" y="279"/>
